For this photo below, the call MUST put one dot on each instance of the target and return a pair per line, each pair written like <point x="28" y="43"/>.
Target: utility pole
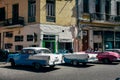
<point x="79" y="34"/>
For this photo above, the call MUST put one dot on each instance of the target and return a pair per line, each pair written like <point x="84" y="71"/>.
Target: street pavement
<point x="62" y="72"/>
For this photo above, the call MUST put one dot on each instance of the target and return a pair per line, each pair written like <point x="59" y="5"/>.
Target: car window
<point x="43" y="51"/>
<point x="28" y="51"/>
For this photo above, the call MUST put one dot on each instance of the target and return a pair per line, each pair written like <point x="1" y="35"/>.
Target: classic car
<point x="75" y="58"/>
<point x="108" y="56"/>
<point x="36" y="57"/>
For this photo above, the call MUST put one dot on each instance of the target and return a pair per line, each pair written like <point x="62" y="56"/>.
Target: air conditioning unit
<point x="85" y="17"/>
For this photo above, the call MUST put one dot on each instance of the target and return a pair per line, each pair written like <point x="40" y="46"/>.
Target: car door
<point x="25" y="56"/>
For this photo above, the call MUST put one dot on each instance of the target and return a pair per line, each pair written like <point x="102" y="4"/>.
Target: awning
<point x="63" y="32"/>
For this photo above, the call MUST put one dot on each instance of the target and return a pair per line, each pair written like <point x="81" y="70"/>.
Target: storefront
<point x="56" y="37"/>
<point x="111" y="39"/>
<point x="49" y="41"/>
<point x="106" y="39"/>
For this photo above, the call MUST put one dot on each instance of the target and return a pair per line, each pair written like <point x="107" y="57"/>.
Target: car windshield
<point x="43" y="51"/>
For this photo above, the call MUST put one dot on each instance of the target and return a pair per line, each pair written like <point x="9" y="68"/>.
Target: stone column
<point x="91" y="43"/>
<point x="92" y="6"/>
<point x="103" y="8"/>
<point x="113" y="7"/>
<point x="80" y="8"/>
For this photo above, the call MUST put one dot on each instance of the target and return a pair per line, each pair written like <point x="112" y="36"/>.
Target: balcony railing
<point x="31" y="19"/>
<point x="50" y="18"/>
<point x="14" y="21"/>
<point x="105" y="17"/>
<point x="1" y="23"/>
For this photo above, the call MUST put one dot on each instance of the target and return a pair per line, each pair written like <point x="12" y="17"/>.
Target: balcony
<point x="14" y="21"/>
<point x="106" y="18"/>
<point x="50" y="18"/>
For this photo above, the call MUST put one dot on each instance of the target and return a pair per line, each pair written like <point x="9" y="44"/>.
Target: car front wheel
<point x="12" y="63"/>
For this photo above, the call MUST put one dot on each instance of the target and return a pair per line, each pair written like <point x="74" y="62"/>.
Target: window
<point x="97" y="33"/>
<point x="49" y="37"/>
<point x="8" y="45"/>
<point x="107" y="7"/>
<point x="18" y="47"/>
<point x="118" y="8"/>
<point x="117" y="39"/>
<point x="8" y="34"/>
<point x="31" y="10"/>
<point x="29" y="37"/>
<point x="117" y="36"/>
<point x="109" y="36"/>
<point x="98" y="3"/>
<point x="2" y="14"/>
<point x="86" y="6"/>
<point x="50" y="10"/>
<point x="97" y="46"/>
<point x="18" y="38"/>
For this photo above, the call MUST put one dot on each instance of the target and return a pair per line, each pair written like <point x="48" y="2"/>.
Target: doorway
<point x="50" y="45"/>
<point x="15" y="13"/>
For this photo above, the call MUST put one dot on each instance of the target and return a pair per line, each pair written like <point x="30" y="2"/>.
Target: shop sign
<point x="65" y="40"/>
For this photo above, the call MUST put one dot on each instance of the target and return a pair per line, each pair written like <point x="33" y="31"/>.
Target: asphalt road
<point x="61" y="72"/>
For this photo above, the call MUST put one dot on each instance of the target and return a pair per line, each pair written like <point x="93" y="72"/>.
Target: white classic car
<point x="76" y="58"/>
<point x="35" y="56"/>
<point x="80" y="57"/>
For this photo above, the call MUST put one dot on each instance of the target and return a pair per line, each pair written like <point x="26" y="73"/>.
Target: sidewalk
<point x="2" y="62"/>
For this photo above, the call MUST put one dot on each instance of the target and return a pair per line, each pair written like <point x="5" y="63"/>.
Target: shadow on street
<point x="31" y="69"/>
<point x="113" y="63"/>
<point x="78" y="66"/>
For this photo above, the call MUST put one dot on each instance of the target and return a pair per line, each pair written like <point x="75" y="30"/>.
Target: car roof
<point x="37" y="48"/>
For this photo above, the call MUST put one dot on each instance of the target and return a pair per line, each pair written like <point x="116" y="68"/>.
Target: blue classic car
<point x="36" y="57"/>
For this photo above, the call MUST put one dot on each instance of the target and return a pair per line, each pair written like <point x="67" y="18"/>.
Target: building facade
<point x="44" y="23"/>
<point x="99" y="24"/>
<point x="60" y="24"/>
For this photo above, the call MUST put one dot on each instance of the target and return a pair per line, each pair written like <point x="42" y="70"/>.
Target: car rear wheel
<point x="84" y="64"/>
<point x="52" y="66"/>
<point x="74" y="63"/>
<point x="106" y="61"/>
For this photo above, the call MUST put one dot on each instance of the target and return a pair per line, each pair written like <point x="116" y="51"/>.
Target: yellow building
<point x="45" y="23"/>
